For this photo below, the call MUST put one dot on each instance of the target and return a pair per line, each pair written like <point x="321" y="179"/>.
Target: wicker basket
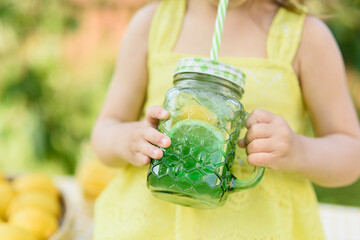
<point x="65" y="221"/>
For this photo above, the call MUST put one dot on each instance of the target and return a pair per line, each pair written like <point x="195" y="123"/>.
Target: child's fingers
<point x="260" y="159"/>
<point x="149" y="150"/>
<point x="155" y="137"/>
<point x="259" y="116"/>
<point x="154" y="114"/>
<point x="257" y="131"/>
<point x="141" y="159"/>
<point x="262" y="145"/>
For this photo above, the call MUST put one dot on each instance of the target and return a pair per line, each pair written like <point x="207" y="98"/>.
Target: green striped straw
<point x="219" y="25"/>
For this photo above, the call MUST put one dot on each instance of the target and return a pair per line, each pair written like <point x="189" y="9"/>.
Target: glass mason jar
<point x="206" y="117"/>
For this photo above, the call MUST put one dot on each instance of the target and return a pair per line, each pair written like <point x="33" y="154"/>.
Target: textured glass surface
<point x="203" y="126"/>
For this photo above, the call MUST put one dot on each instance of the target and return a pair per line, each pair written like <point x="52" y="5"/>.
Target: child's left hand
<point x="270" y="142"/>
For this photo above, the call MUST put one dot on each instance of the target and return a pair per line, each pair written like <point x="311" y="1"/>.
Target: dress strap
<point x="166" y="25"/>
<point x="285" y="35"/>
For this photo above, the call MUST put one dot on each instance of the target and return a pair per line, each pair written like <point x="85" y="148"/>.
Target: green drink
<point x="187" y="170"/>
<point x="204" y="125"/>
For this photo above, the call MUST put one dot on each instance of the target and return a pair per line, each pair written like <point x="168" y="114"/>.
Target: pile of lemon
<point x="29" y="207"/>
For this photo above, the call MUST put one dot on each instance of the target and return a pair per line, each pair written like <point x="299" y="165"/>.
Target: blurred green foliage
<point x="349" y="195"/>
<point x="345" y="25"/>
<point x="48" y="108"/>
<point x="54" y="109"/>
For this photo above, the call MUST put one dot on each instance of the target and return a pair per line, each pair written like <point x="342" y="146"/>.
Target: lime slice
<point x="195" y="145"/>
<point x="194" y="131"/>
<point x="193" y="140"/>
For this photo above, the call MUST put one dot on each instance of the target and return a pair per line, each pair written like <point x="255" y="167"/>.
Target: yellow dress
<point x="283" y="206"/>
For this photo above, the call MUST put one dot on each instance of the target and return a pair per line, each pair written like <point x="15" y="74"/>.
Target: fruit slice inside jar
<point x="197" y="112"/>
<point x="193" y="170"/>
<point x="195" y="152"/>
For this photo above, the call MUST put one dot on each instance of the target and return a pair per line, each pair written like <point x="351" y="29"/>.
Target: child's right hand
<point x="146" y="137"/>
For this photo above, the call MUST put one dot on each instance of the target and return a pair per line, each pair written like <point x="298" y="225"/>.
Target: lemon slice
<point x="198" y="112"/>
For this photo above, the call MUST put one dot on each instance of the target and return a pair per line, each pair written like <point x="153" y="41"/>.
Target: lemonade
<point x="197" y="162"/>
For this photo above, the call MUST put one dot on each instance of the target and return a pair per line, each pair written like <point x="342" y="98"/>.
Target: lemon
<point x="7" y="194"/>
<point x="2" y="177"/>
<point x="10" y="232"/>
<point x="38" y="200"/>
<point x="93" y="177"/>
<point x="197" y="112"/>
<point x="35" y="183"/>
<point x="41" y="223"/>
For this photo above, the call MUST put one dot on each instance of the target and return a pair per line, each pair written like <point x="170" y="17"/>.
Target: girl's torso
<point x="282" y="206"/>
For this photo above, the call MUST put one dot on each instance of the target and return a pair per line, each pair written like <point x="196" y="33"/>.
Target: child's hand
<point x="146" y="135"/>
<point x="269" y="141"/>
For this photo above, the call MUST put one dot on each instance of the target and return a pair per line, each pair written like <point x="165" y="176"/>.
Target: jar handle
<point x="254" y="179"/>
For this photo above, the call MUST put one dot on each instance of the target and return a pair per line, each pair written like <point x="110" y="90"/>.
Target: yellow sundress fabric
<point x="283" y="206"/>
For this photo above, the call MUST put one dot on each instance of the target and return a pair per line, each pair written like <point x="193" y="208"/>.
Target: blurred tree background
<point x="56" y="60"/>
